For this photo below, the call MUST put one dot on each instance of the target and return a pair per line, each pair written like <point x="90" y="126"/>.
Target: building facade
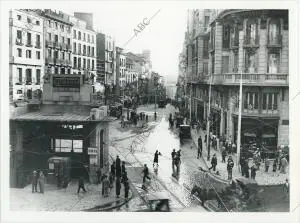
<point x="84" y="49"/>
<point x="58" y="43"/>
<point x="26" y="55"/>
<point x="106" y="64"/>
<point x="251" y="43"/>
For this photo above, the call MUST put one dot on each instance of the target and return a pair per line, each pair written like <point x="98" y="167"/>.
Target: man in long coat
<point x="118" y="167"/>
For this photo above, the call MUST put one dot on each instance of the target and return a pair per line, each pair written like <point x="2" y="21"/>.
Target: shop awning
<point x="58" y="117"/>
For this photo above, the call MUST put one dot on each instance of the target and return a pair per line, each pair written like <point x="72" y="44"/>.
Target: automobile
<point x="158" y="202"/>
<point x="116" y="110"/>
<point x="184" y="132"/>
<point x="179" y="120"/>
<point x="59" y="171"/>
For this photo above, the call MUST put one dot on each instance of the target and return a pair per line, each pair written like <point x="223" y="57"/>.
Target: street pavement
<point x="163" y="139"/>
<point x="67" y="199"/>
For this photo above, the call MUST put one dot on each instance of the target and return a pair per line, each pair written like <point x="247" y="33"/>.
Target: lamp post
<point x="208" y="122"/>
<point x="239" y="122"/>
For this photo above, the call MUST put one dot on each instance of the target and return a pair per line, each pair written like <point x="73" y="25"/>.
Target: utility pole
<point x="191" y="103"/>
<point x="208" y="122"/>
<point x="239" y="122"/>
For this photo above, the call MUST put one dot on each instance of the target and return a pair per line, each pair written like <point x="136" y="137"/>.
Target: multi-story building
<point x="121" y="70"/>
<point x="252" y="44"/>
<point x="26" y="55"/>
<point x="106" y="64"/>
<point x="58" y="42"/>
<point x="84" y="49"/>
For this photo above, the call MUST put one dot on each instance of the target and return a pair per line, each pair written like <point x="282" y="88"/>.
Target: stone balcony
<point x="255" y="79"/>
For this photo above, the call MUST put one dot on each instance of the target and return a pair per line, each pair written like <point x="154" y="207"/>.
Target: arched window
<point x="252" y="32"/>
<point x="274" y="32"/>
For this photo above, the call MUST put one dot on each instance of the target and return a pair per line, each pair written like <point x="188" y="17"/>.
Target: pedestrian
<point x="223" y="155"/>
<point x="126" y="189"/>
<point x="253" y="172"/>
<point x="124" y="177"/>
<point x="99" y="175"/>
<point x="274" y="166"/>
<point x="177" y="163"/>
<point x="81" y="184"/>
<point x="118" y="186"/>
<point x="286" y="186"/>
<point x="173" y="154"/>
<point x="113" y="169"/>
<point x="230" y="165"/>
<point x="155" y="116"/>
<point x="199" y="154"/>
<point x="122" y="121"/>
<point x="155" y="160"/>
<point x="105" y="187"/>
<point x="246" y="166"/>
<point x="123" y="168"/>
<point x="118" y="167"/>
<point x="41" y="182"/>
<point x="242" y="163"/>
<point x="267" y="164"/>
<point x="229" y="148"/>
<point x="145" y="173"/>
<point x="213" y="162"/>
<point x="146" y="118"/>
<point x="284" y="164"/>
<point x="34" y="181"/>
<point x="111" y="180"/>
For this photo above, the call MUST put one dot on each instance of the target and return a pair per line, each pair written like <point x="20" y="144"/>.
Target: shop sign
<point x="92" y="151"/>
<point x="66" y="82"/>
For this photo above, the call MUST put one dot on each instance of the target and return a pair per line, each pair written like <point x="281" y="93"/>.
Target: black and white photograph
<point x="129" y="108"/>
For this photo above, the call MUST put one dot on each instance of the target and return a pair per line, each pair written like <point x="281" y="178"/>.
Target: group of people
<point x="38" y="179"/>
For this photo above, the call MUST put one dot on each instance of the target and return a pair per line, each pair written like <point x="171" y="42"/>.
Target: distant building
<point x="84" y="49"/>
<point x="106" y="64"/>
<point x="26" y="55"/>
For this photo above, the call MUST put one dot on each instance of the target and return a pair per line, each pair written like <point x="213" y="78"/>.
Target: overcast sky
<point x="163" y="36"/>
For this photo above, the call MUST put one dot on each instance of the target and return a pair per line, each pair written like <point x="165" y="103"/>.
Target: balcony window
<point x="38" y="55"/>
<point x="79" y="35"/>
<point x="225" y="64"/>
<point x="19" y="52"/>
<point x="38" y="76"/>
<point x="205" y="68"/>
<point x="62" y="55"/>
<point x="56" y="38"/>
<point x="251" y="100"/>
<point x="251" y="62"/>
<point x="79" y="48"/>
<point x="38" y="41"/>
<point x="74" y="34"/>
<point x="205" y="48"/>
<point x="74" y="47"/>
<point x="63" y="39"/>
<point x="212" y="63"/>
<point x="19" y="35"/>
<point x="55" y="54"/>
<point x="273" y="63"/>
<point x="69" y="56"/>
<point x="92" y="51"/>
<point x="28" y="54"/>
<point x="93" y="64"/>
<point x="28" y="39"/>
<point x="79" y="62"/>
<point x="56" y="25"/>
<point x="212" y="37"/>
<point x="28" y="76"/>
<point x="234" y="37"/>
<point x="69" y="41"/>
<point x="20" y="75"/>
<point x="88" y="64"/>
<point x="84" y="49"/>
<point x="235" y="62"/>
<point x="226" y="35"/>
<point x="270" y="101"/>
<point x="88" y="50"/>
<point x="75" y="62"/>
<point x="84" y="63"/>
<point x="274" y="32"/>
<point x="251" y="32"/>
<point x="83" y="36"/>
<point x="49" y="53"/>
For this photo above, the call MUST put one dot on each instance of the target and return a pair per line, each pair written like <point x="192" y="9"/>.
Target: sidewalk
<point x="63" y="199"/>
<point x="262" y="178"/>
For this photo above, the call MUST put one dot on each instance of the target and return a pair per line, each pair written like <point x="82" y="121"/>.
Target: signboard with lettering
<point x="92" y="151"/>
<point x="66" y="82"/>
